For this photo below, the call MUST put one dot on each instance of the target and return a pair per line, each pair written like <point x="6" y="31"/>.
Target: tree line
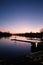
<point x="5" y="34"/>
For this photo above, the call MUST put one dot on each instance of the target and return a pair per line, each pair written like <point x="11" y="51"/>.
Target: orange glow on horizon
<point x="22" y="30"/>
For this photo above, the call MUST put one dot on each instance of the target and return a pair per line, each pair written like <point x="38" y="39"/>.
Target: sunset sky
<point x="20" y="16"/>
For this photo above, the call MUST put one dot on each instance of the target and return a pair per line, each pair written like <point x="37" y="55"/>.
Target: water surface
<point x="9" y="48"/>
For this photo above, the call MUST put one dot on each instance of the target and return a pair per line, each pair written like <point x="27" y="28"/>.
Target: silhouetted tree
<point x="41" y="31"/>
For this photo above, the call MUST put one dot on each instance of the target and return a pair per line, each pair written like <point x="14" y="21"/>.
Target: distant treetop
<point x="41" y="30"/>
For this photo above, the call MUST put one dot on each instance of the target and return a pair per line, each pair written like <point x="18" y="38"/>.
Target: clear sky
<point x="21" y="16"/>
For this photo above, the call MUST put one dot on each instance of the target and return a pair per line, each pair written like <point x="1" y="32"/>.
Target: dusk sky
<point x="21" y="16"/>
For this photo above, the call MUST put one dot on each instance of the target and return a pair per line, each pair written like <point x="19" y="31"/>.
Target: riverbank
<point x="37" y="59"/>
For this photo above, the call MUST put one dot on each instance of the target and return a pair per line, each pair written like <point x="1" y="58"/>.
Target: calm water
<point x="9" y="48"/>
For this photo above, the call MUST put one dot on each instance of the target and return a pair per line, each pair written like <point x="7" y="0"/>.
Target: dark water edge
<point x="36" y="58"/>
<point x="21" y="60"/>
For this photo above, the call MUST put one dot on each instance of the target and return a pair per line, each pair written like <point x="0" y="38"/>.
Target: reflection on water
<point x="26" y="38"/>
<point x="18" y="37"/>
<point x="36" y="44"/>
<point x="9" y="48"/>
<point x="14" y="48"/>
<point x="37" y="47"/>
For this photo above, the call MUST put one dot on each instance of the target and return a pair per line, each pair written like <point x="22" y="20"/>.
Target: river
<point x="12" y="49"/>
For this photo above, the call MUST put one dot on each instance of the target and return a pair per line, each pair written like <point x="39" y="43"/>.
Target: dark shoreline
<point x="5" y="34"/>
<point x="22" y="60"/>
<point x="31" y="35"/>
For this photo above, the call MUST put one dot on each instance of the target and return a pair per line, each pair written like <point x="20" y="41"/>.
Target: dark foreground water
<point x="13" y="49"/>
